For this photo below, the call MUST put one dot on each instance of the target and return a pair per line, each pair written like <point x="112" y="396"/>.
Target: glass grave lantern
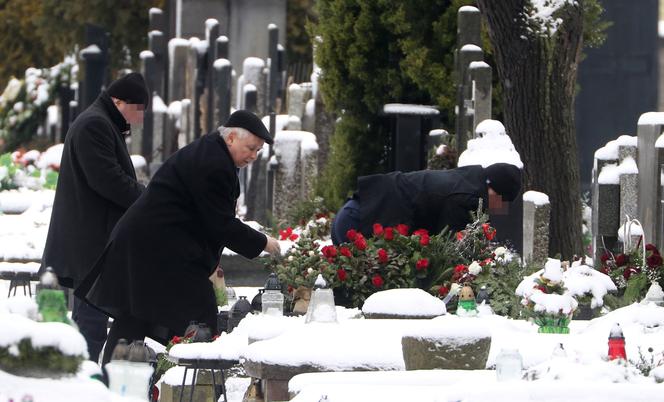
<point x="130" y="371"/>
<point x="272" y="300"/>
<point x="321" y="306"/>
<point x="240" y="309"/>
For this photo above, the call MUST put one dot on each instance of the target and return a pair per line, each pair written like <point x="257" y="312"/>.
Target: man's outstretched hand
<point x="272" y="246"/>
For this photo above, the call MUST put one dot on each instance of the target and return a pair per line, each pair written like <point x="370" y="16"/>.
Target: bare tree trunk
<point x="538" y="73"/>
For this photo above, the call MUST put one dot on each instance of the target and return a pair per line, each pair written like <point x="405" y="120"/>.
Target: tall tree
<point x="537" y="53"/>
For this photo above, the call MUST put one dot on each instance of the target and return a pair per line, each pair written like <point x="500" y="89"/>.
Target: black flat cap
<point x="130" y="88"/>
<point x="504" y="179"/>
<point x="251" y="123"/>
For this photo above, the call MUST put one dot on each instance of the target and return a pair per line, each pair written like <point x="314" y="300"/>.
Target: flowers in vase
<point x="546" y="299"/>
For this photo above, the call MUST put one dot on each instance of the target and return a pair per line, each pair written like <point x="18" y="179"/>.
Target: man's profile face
<point x="132" y="112"/>
<point x="244" y="150"/>
<point x="496" y="204"/>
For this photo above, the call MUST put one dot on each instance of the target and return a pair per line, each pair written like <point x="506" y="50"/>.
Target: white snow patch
<point x="536" y="197"/>
<point x="651" y="118"/>
<point x="406" y="302"/>
<point x="610" y="174"/>
<point x="401" y="108"/>
<point x="492" y="145"/>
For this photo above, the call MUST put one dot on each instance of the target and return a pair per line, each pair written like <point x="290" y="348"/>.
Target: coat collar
<point x="116" y="117"/>
<point x="224" y="146"/>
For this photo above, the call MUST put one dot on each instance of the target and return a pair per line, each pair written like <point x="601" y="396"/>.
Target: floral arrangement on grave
<point x="489" y="268"/>
<point x="633" y="272"/>
<point x="24" y="102"/>
<point x="546" y="300"/>
<point x="400" y="257"/>
<point x="589" y="287"/>
<point x="16" y="172"/>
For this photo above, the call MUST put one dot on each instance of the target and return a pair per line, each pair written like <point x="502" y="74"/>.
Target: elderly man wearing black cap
<point x="97" y="184"/>
<point x="426" y="199"/>
<point x="153" y="276"/>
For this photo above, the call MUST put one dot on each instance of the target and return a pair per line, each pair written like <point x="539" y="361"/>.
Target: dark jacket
<point x="161" y="253"/>
<point x="97" y="184"/>
<point x="426" y="199"/>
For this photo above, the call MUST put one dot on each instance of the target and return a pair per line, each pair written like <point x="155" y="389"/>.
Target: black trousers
<point x="92" y="324"/>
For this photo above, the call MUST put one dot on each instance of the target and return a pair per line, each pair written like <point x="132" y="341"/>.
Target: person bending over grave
<point x="426" y="199"/>
<point x="97" y="184"/>
<point x="153" y="277"/>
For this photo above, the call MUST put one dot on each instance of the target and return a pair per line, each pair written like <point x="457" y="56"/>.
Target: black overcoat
<point x="162" y="251"/>
<point x="96" y="185"/>
<point x="425" y="199"/>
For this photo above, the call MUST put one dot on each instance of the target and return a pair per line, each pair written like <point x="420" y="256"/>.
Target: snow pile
<point x="582" y="279"/>
<point x="536" y="198"/>
<point x="68" y="389"/>
<point x="61" y="336"/>
<point x="610" y="150"/>
<point x="22" y="237"/>
<point x="22" y="305"/>
<point x="493" y="145"/>
<point x="404" y="302"/>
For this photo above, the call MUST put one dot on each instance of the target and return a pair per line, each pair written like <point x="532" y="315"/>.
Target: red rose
<point x="341" y="273"/>
<point x="377" y="229"/>
<point x="329" y="252"/>
<point x="175" y="340"/>
<point x="621" y="259"/>
<point x="389" y="234"/>
<point x="422" y="264"/>
<point x="382" y="256"/>
<point x="424" y="236"/>
<point x="651" y="247"/>
<point x="285" y="234"/>
<point x="459" y="268"/>
<point x="443" y="291"/>
<point x="489" y="232"/>
<point x="345" y="251"/>
<point x="290" y="289"/>
<point x="459" y="236"/>
<point x="654" y="261"/>
<point x="402" y="229"/>
<point x="293" y="237"/>
<point x="351" y="234"/>
<point x="605" y="257"/>
<point x="421" y="232"/>
<point x="377" y="281"/>
<point x="360" y="242"/>
<point x="629" y="271"/>
<point x="542" y="288"/>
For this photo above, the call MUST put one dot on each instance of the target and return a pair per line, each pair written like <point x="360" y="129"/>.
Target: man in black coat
<point x="96" y="185"/>
<point x="153" y="277"/>
<point x="426" y="199"/>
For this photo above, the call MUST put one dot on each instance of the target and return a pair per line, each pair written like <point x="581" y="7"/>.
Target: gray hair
<point x="239" y="131"/>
